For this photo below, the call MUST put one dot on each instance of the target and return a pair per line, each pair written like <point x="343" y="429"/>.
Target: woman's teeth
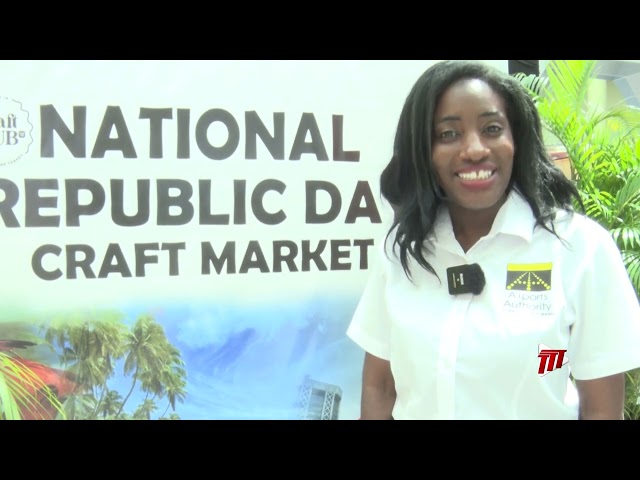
<point x="478" y="175"/>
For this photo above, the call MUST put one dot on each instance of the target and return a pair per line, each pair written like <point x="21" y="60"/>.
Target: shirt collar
<point x="514" y="218"/>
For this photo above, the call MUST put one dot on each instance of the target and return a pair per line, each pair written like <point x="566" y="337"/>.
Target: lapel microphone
<point x="465" y="279"/>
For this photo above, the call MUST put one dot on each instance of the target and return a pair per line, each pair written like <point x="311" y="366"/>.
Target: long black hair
<point x="409" y="182"/>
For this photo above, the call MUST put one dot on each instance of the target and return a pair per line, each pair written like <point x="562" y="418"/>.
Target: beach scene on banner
<point x="224" y="361"/>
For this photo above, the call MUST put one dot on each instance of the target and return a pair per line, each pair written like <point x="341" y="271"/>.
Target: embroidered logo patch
<point x="529" y="277"/>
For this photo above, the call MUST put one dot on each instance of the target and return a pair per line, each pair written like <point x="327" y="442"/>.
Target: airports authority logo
<point x="529" y="277"/>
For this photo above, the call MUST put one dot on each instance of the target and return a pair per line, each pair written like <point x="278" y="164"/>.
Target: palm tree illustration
<point x="110" y="404"/>
<point x="89" y="349"/>
<point x="144" y="411"/>
<point x="146" y="349"/>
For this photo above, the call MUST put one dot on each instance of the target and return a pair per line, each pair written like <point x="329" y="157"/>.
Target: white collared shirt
<point x="480" y="356"/>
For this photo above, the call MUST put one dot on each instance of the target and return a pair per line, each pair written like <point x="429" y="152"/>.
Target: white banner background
<point x="248" y="339"/>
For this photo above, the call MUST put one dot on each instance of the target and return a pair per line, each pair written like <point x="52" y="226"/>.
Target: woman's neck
<point x="469" y="226"/>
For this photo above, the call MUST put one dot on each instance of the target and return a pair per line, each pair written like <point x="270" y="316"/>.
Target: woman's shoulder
<point x="580" y="229"/>
<point x="577" y="223"/>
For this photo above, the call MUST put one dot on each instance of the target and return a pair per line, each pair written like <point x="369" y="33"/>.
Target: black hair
<point x="409" y="182"/>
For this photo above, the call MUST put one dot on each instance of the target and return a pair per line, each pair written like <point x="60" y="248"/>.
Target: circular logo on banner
<point x="15" y="131"/>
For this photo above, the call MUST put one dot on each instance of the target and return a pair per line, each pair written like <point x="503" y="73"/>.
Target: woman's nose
<point x="473" y="148"/>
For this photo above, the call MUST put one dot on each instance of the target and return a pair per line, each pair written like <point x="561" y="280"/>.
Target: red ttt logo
<point x="550" y="359"/>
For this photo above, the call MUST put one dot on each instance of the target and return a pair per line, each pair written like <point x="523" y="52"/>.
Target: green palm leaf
<point x="627" y="237"/>
<point x="569" y="81"/>
<point x="631" y="260"/>
<point x="8" y="405"/>
<point x="534" y="84"/>
<point x="19" y="388"/>
<point x="629" y="194"/>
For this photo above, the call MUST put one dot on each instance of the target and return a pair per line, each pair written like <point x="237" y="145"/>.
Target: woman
<point x="489" y="293"/>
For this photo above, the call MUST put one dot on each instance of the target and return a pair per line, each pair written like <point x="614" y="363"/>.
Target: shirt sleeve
<point x="370" y="325"/>
<point x="605" y="338"/>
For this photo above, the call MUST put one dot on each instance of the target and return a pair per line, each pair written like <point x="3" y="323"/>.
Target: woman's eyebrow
<point x="456" y="118"/>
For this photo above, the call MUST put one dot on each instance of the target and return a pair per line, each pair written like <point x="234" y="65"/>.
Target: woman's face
<point x="473" y="146"/>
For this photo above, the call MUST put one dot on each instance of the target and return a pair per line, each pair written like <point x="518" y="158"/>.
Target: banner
<point x="189" y="239"/>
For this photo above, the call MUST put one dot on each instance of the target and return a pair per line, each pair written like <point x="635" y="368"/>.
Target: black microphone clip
<point x="465" y="279"/>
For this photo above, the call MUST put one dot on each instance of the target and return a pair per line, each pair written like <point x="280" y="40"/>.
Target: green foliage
<point x="603" y="144"/>
<point x="94" y="347"/>
<point x="22" y="391"/>
<point x="632" y="395"/>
